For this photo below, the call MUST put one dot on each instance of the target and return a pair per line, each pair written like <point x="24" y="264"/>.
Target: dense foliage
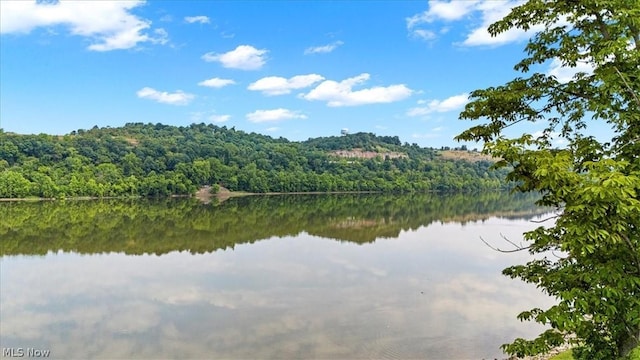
<point x="596" y="181"/>
<point x="158" y="160"/>
<point x="164" y="225"/>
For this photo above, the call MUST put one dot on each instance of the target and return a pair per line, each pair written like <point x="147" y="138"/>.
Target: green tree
<point x="9" y="151"/>
<point x="14" y="185"/>
<point x="131" y="164"/>
<point x="594" y="183"/>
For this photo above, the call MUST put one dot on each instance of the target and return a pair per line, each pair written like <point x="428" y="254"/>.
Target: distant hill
<point x="367" y="141"/>
<point x="160" y="160"/>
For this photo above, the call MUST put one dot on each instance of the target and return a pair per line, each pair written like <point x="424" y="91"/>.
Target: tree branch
<point x="547" y="219"/>
<point x="518" y="248"/>
<point x="635" y="96"/>
<point x="577" y="95"/>
<point x="633" y="249"/>
<point x="602" y="26"/>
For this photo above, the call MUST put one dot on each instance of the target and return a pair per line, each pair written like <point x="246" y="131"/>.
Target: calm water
<point x="331" y="277"/>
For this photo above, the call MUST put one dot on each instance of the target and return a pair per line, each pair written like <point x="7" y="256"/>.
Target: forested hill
<point x="158" y="160"/>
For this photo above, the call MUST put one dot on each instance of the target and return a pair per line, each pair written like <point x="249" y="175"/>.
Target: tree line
<point x="160" y="160"/>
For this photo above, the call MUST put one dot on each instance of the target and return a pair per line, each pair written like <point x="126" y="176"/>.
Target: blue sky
<point x="296" y="69"/>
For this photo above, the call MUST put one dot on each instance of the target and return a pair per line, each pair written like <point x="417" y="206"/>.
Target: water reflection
<point x="409" y="281"/>
<point x="158" y="227"/>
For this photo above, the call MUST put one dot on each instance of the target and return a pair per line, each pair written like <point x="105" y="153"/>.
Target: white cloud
<point x="110" y="24"/>
<point x="177" y="98"/>
<point x="442" y="10"/>
<point x="323" y="49"/>
<point x="272" y="129"/>
<point x="197" y="19"/>
<point x="274" y="115"/>
<point x="488" y="12"/>
<point x="423" y="34"/>
<point x="438" y="10"/>
<point x="493" y="11"/>
<point x="219" y="118"/>
<point x="275" y="85"/>
<point x="216" y="82"/>
<point x="565" y="74"/>
<point x="446" y="105"/>
<point x="244" y="57"/>
<point x="341" y="93"/>
<point x="197" y="116"/>
<point x="162" y="36"/>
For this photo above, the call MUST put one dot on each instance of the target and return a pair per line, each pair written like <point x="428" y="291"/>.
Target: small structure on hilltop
<point x="344" y="132"/>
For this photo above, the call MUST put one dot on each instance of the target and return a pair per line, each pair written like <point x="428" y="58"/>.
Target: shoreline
<point x="223" y="193"/>
<point x="202" y="193"/>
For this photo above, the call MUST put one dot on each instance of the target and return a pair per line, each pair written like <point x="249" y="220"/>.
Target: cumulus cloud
<point x="198" y="116"/>
<point x="564" y="73"/>
<point x="260" y="116"/>
<point x="493" y="11"/>
<point x="342" y="93"/>
<point x="323" y="49"/>
<point x="275" y="85"/>
<point x="110" y="24"/>
<point x="452" y="103"/>
<point x="488" y="11"/>
<point x="445" y="10"/>
<point x="177" y="98"/>
<point x="244" y="57"/>
<point x="216" y="82"/>
<point x="197" y="19"/>
<point x="438" y="10"/>
<point x="219" y="118"/>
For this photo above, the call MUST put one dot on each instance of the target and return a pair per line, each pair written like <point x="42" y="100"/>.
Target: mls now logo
<point x="25" y="352"/>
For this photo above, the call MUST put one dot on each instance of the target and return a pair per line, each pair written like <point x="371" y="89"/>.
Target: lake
<point x="305" y="276"/>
